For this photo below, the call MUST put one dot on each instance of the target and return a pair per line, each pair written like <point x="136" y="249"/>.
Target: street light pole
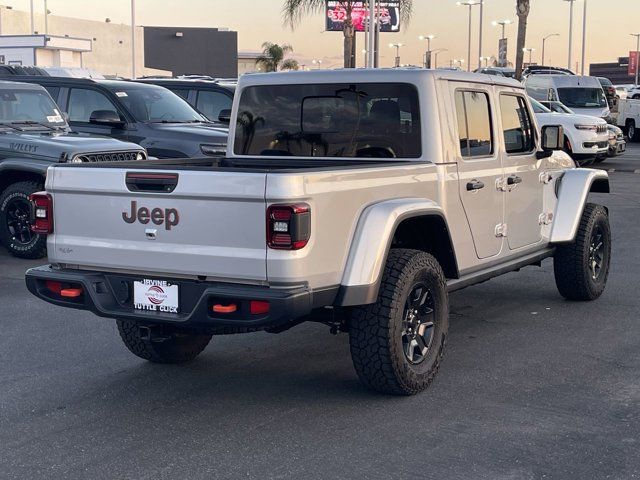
<point x="471" y="4"/>
<point x="428" y="38"/>
<point x="397" y="47"/>
<point x="571" y="2"/>
<point x="435" y="56"/>
<point x="544" y="41"/>
<point x="584" y="35"/>
<point x="637" y="35"/>
<point x="46" y="18"/>
<point x="33" y="24"/>
<point x="480" y="33"/>
<point x="530" y="50"/>
<point x="133" y="39"/>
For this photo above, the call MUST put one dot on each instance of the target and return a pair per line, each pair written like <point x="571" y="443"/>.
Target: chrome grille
<point x="109" y="156"/>
<point x="602" y="128"/>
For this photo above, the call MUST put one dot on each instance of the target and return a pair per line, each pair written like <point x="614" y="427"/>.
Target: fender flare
<point x="575" y="186"/>
<point x="371" y="244"/>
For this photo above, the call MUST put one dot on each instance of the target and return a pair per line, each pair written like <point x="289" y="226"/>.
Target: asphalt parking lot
<point x="532" y="387"/>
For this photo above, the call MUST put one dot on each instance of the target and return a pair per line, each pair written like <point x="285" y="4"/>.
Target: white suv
<point x="586" y="137"/>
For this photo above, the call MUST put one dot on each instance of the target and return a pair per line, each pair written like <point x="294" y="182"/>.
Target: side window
<point x="212" y="103"/>
<point x="83" y="102"/>
<point x="516" y="124"/>
<point x="181" y="92"/>
<point x="474" y="123"/>
<point x="53" y="91"/>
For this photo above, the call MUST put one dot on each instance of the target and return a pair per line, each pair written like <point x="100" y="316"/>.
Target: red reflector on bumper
<point x="258" y="307"/>
<point x="71" y="292"/>
<point x="218" y="308"/>
<point x="54" y="287"/>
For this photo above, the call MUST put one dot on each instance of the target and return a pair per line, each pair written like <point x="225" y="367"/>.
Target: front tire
<point x="15" y="213"/>
<point x="581" y="268"/>
<point x="168" y="346"/>
<point x="397" y="343"/>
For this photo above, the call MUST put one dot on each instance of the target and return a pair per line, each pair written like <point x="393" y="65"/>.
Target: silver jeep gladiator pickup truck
<point x="354" y="198"/>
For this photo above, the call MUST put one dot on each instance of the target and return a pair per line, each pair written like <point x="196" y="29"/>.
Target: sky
<point x="609" y="25"/>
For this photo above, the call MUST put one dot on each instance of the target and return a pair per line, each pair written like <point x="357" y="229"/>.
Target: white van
<point x="584" y="95"/>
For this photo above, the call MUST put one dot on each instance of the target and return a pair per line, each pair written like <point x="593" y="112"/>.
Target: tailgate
<point x="209" y="223"/>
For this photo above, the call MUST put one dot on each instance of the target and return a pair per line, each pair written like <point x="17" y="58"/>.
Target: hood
<point x="60" y="144"/>
<point x="599" y="112"/>
<point x="193" y="131"/>
<point x="567" y="119"/>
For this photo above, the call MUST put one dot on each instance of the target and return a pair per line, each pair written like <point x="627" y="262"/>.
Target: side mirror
<point x="106" y="117"/>
<point x="552" y="139"/>
<point x="225" y="116"/>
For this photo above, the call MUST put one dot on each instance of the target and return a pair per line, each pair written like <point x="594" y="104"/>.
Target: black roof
<point x="187" y="83"/>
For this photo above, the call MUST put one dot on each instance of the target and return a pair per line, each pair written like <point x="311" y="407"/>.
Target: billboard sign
<point x="633" y="62"/>
<point x="502" y="52"/>
<point x="389" y="16"/>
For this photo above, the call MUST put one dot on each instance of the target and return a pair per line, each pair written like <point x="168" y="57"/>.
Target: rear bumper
<point x="111" y="296"/>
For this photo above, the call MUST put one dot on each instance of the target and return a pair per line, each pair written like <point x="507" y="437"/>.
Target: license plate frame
<point x="156" y="296"/>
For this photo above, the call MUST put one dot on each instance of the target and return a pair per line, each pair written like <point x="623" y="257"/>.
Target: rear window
<point x="372" y="120"/>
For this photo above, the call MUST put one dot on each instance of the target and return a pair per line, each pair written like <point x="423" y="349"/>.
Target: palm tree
<point x="523" y="13"/>
<point x="272" y="58"/>
<point x="294" y="10"/>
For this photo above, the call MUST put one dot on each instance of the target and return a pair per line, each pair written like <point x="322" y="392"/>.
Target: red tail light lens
<point x="258" y="307"/>
<point x="42" y="213"/>
<point x="288" y="226"/>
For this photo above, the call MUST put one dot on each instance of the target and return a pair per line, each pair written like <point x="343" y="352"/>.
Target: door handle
<point x="474" y="185"/>
<point x="514" y="180"/>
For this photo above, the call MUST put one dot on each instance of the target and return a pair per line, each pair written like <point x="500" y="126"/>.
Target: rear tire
<point x="15" y="210"/>
<point x="581" y="268"/>
<point x="397" y="343"/>
<point x="632" y="131"/>
<point x="171" y="347"/>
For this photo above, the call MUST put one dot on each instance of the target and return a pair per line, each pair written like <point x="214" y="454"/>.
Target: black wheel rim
<point x="18" y="220"/>
<point x="596" y="253"/>
<point x="418" y="324"/>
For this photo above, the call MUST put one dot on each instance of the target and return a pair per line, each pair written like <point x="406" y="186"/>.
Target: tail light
<point x="288" y="226"/>
<point x="42" y="213"/>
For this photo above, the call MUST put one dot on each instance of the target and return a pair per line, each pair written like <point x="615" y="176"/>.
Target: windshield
<point x="157" y="105"/>
<point x="374" y="120"/>
<point x="27" y="106"/>
<point x="577" y="97"/>
<point x="538" y="107"/>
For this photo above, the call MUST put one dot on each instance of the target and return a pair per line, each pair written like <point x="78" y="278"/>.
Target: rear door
<point x="522" y="171"/>
<point x="179" y="223"/>
<point x="479" y="166"/>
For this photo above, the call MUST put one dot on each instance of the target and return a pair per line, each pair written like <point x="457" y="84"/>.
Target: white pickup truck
<point x="354" y="198"/>
<point x="629" y="117"/>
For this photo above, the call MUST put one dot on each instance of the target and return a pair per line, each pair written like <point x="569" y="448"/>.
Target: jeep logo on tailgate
<point x="169" y="216"/>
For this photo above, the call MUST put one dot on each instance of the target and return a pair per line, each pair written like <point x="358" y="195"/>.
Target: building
<point x="105" y="47"/>
<point x="187" y="51"/>
<point x="46" y="50"/>
<point x="617" y="72"/>
<point x="248" y="62"/>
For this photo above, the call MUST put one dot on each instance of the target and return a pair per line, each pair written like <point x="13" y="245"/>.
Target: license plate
<point x="155" y="296"/>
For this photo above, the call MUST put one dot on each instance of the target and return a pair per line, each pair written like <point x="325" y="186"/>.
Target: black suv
<point x="149" y="115"/>
<point x="211" y="98"/>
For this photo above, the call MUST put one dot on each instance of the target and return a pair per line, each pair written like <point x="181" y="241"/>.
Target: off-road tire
<point x="375" y="331"/>
<point x="178" y="347"/>
<point x="37" y="247"/>
<point x="571" y="262"/>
